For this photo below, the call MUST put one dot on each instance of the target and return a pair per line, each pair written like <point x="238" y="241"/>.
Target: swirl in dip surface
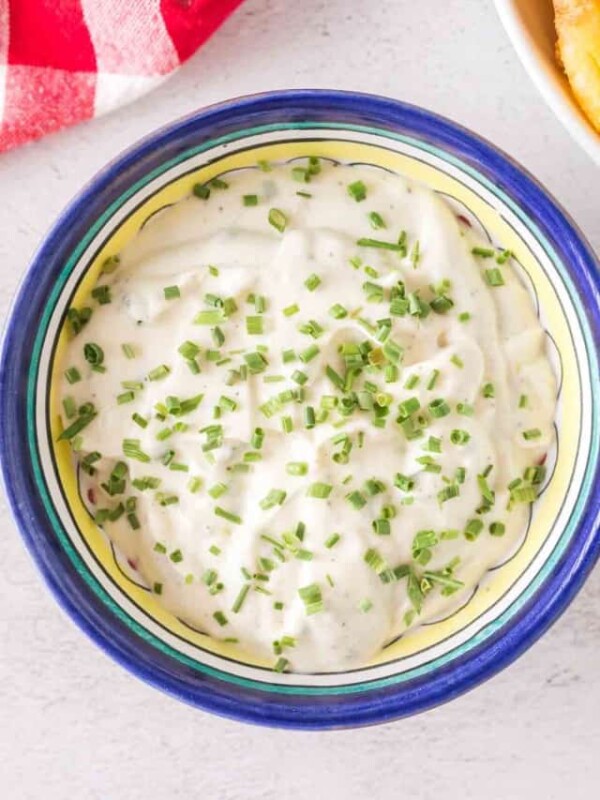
<point x="311" y="407"/>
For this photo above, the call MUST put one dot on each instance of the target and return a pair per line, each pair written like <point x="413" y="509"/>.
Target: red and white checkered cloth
<point x="63" y="61"/>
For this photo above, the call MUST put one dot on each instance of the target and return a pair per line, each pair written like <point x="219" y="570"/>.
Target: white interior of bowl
<point x="530" y="26"/>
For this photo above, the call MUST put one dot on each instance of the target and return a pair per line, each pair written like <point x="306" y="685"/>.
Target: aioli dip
<point x="311" y="408"/>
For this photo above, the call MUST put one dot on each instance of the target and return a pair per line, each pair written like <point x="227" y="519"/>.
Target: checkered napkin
<point x="63" y="61"/>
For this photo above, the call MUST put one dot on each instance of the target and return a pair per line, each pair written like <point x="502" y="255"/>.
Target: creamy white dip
<point x="399" y="387"/>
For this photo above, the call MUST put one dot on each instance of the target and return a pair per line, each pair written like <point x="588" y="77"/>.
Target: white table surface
<point x="72" y="722"/>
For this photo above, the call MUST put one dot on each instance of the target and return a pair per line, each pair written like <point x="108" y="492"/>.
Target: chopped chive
<point x="277" y="219"/>
<point x="255" y="325"/>
<point x="379" y="244"/>
<point x="220" y="618"/>
<point x="309" y="353"/>
<point x="523" y="494"/>
<point x="483" y="252"/>
<point x="312" y="282"/>
<point x="93" y="354"/>
<point x="311" y="328"/>
<point x="125" y="397"/>
<point x="78" y="318"/>
<point x="403" y="482"/>
<point x="332" y="540"/>
<point x="228" y="515"/>
<point x="110" y="264"/>
<point x="102" y="295"/>
<point x="460" y="474"/>
<point x="250" y="199"/>
<point x="227" y="403"/>
<point x="218" y="183"/>
<point x="441" y="304"/>
<point x="239" y="600"/>
<point x="334" y="377"/>
<point x="493" y="277"/>
<point x="373" y="291"/>
<point x="374" y="560"/>
<point x="319" y="490"/>
<point x="296" y="468"/>
<point x="429" y="464"/>
<point x="464" y="316"/>
<point x="488" y="390"/>
<point x="535" y="475"/>
<point x="70" y="407"/>
<point x="128" y="350"/>
<point x="391" y="373"/>
<point x="158" y="373"/>
<point x="465" y="409"/>
<point x="497" y="528"/>
<point x="217" y="490"/>
<point x="301" y="174"/>
<point x="381" y="526"/>
<point x="365" y="605"/>
<point x="72" y="375"/>
<point x="532" y="433"/>
<point x="523" y="401"/>
<point x="433" y="379"/>
<point x="338" y="311"/>
<point x="409" y="406"/>
<point x="132" y="449"/>
<point x="376" y="220"/>
<point x="255" y="362"/>
<point x="289" y="311"/>
<point x="281" y="664"/>
<point x="503" y="257"/>
<point x="448" y="492"/>
<point x="194" y="484"/>
<point x="411" y="382"/>
<point x="89" y="460"/>
<point x="434" y="445"/>
<point x="304" y="194"/>
<point x="188" y="350"/>
<point x="356" y="499"/>
<point x="457" y="361"/>
<point x="309" y="417"/>
<point x="157" y="587"/>
<point x="210" y="316"/>
<point x="439" y="407"/>
<point x="473" y="529"/>
<point x="257" y="438"/>
<point x="275" y="497"/>
<point x="312" y="598"/>
<point x="201" y="191"/>
<point x="260" y="304"/>
<point x="171" y="292"/>
<point x="176" y="556"/>
<point x="357" y="190"/>
<point x="287" y="424"/>
<point x="166" y="499"/>
<point x="415" y="254"/>
<point x="147" y="482"/>
<point x="459" y="436"/>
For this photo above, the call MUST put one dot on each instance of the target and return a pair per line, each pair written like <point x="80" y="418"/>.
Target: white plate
<point x="530" y="26"/>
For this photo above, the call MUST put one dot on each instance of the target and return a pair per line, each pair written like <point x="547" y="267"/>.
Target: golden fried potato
<point x="578" y="28"/>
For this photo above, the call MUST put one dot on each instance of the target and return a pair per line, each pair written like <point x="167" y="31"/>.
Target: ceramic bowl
<point x="530" y="27"/>
<point x="515" y="602"/>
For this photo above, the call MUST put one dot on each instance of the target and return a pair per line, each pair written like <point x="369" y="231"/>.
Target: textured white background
<point x="75" y="725"/>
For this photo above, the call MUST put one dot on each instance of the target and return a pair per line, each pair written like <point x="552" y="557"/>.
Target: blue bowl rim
<point x="206" y="692"/>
